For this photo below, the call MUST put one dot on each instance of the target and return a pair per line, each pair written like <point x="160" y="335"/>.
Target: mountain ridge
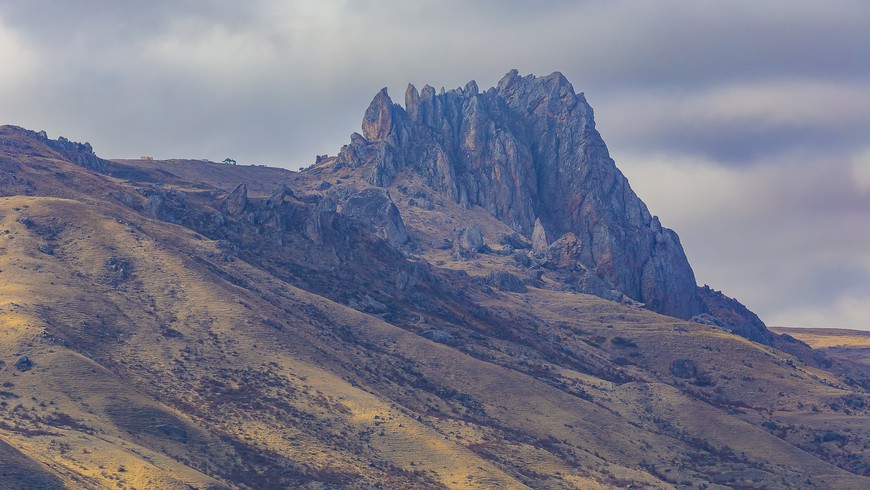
<point x="182" y="323"/>
<point x="528" y="152"/>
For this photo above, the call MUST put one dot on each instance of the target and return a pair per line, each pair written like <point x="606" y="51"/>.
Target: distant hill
<point x="836" y="343"/>
<point x="468" y="295"/>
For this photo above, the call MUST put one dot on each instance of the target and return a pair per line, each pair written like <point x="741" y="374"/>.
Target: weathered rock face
<point x="564" y="253"/>
<point x="375" y="209"/>
<point x="505" y="281"/>
<point x="234" y="204"/>
<point x="166" y="204"/>
<point x="528" y="152"/>
<point x="79" y="153"/>
<point x="82" y="154"/>
<point x="731" y="314"/>
<point x="319" y="219"/>
<point x="539" y="238"/>
<point x="468" y="242"/>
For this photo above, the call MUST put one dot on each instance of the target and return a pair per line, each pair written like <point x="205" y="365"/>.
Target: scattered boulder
<point x="166" y="204"/>
<point x="126" y="199"/>
<point x="46" y="249"/>
<point x="515" y="241"/>
<point x="367" y="304"/>
<point x="565" y="253"/>
<point x="322" y="185"/>
<point x="469" y="242"/>
<point x="374" y="208"/>
<point x="234" y="204"/>
<point x="277" y="196"/>
<point x="539" y="238"/>
<point x="23" y="363"/>
<point x="443" y="244"/>
<point x="505" y="281"/>
<point x="522" y="259"/>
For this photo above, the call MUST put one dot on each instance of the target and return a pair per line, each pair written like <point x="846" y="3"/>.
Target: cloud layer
<point x="742" y="124"/>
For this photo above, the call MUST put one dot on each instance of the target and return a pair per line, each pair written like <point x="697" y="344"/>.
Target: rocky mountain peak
<point x="528" y="152"/>
<point x="378" y="119"/>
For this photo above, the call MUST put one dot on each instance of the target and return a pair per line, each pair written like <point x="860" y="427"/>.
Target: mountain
<point x="527" y="151"/>
<point x="410" y="313"/>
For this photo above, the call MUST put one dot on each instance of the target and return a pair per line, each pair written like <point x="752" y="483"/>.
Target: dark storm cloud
<point x="742" y="123"/>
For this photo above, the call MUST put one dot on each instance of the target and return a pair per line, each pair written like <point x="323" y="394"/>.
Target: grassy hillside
<point x="190" y="354"/>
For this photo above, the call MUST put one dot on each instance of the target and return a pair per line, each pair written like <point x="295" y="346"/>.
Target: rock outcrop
<point x="319" y="219"/>
<point x="528" y="152"/>
<point x="375" y="209"/>
<point x="733" y="316"/>
<point x="505" y="281"/>
<point x="235" y="202"/>
<point x="469" y="241"/>
<point x="79" y="153"/>
<point x="35" y="143"/>
<point x="539" y="238"/>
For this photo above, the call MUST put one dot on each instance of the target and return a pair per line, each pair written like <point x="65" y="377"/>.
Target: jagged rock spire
<point x="528" y="150"/>
<point x="378" y="119"/>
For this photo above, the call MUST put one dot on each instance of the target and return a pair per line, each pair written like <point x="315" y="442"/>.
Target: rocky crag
<point x="190" y="324"/>
<point x="527" y="151"/>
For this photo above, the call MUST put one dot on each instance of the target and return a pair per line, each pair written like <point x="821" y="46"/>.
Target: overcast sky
<point x="744" y="125"/>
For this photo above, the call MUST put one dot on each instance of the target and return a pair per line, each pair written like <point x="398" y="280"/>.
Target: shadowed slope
<point x="177" y="337"/>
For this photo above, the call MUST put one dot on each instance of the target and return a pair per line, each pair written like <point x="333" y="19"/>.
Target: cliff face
<point x="526" y="151"/>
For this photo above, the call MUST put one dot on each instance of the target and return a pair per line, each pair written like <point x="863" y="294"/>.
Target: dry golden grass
<point x="170" y="294"/>
<point x="828" y="337"/>
<point x="169" y="375"/>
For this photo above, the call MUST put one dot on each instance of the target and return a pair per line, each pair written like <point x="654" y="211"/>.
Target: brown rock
<point x="234" y="204"/>
<point x="539" y="238"/>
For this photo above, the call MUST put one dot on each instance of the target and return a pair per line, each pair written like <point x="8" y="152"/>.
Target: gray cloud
<point x="743" y="124"/>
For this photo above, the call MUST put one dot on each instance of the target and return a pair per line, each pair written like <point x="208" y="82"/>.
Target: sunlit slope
<point x="828" y="337"/>
<point x="158" y="358"/>
<point x="159" y="329"/>
<point x="158" y="372"/>
<point x="850" y="347"/>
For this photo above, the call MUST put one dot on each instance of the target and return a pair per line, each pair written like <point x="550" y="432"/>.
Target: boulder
<point x="469" y="241"/>
<point x="319" y="218"/>
<point x="277" y="196"/>
<point x="236" y="201"/>
<point x="539" y="237"/>
<point x="23" y="363"/>
<point x="515" y="241"/>
<point x="505" y="281"/>
<point x="565" y="253"/>
<point x="375" y="210"/>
